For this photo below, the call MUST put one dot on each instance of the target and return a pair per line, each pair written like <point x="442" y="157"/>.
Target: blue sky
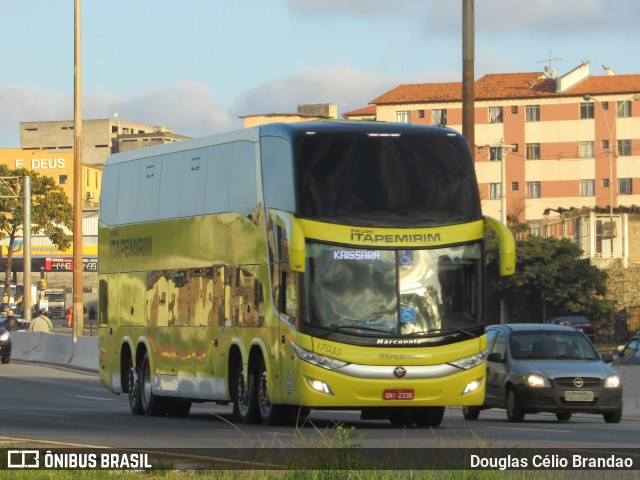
<point x="197" y="65"/>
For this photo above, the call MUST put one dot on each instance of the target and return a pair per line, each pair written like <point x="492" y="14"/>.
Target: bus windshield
<point x="395" y="180"/>
<point x="393" y="292"/>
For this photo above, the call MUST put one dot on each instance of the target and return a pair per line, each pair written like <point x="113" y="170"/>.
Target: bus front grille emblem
<point x="399" y="372"/>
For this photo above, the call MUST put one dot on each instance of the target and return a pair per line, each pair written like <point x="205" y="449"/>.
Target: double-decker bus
<point x="289" y="267"/>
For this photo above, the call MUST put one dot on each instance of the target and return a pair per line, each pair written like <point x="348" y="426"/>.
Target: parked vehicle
<point x="534" y="368"/>
<point x="629" y="354"/>
<point x="5" y="346"/>
<point x="579" y="322"/>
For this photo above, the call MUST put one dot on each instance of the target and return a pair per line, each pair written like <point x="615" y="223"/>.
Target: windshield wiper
<point x="337" y="328"/>
<point x="464" y="331"/>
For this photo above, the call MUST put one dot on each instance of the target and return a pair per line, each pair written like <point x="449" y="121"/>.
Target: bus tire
<point x="245" y="405"/>
<point x="471" y="412"/>
<point x="428" y="416"/>
<point x="152" y="405"/>
<point x="133" y="388"/>
<point x="270" y="414"/>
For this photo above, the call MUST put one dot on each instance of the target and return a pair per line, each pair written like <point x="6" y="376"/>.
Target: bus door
<point x="109" y="339"/>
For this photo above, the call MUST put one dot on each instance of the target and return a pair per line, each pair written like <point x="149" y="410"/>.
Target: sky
<point x="198" y="65"/>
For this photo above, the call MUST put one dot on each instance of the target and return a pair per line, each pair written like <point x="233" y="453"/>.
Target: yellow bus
<point x="290" y="267"/>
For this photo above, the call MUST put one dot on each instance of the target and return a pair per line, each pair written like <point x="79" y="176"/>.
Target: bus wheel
<point x="152" y="405"/>
<point x="270" y="414"/>
<point x="428" y="416"/>
<point x="246" y="399"/>
<point x="133" y="388"/>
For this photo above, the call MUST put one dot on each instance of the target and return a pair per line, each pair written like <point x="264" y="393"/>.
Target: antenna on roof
<point x="548" y="70"/>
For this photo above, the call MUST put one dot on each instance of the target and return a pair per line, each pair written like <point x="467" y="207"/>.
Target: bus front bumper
<point x="320" y="387"/>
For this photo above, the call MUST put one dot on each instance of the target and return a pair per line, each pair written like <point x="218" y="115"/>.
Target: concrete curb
<point x="55" y="348"/>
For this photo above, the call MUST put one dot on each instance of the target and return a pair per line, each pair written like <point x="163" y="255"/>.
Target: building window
<point x="587" y="188"/>
<point x="403" y="117"/>
<point x="586" y="110"/>
<point x="586" y="150"/>
<point x="533" y="113"/>
<point x="625" y="186"/>
<point x="533" y="189"/>
<point x="533" y="151"/>
<point x="495" y="191"/>
<point x="515" y="186"/>
<point x="605" y="183"/>
<point x="514" y="147"/>
<point x="495" y="154"/>
<point x="624" y="148"/>
<point x="605" y="144"/>
<point x="624" y="109"/>
<point x="420" y="113"/>
<point x="495" y="114"/>
<point x="514" y="109"/>
<point x="439" y="117"/>
<point x="62" y="179"/>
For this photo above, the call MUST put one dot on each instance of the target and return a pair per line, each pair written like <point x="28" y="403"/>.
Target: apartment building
<point x="100" y="138"/>
<point x="543" y="143"/>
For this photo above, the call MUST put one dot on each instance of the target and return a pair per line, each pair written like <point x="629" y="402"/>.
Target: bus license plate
<point x="398" y="395"/>
<point x="578" y="396"/>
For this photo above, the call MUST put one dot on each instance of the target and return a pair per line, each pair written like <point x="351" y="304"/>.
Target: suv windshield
<point x="393" y="292"/>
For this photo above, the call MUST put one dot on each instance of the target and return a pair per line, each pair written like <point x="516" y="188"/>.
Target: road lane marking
<point x="533" y="429"/>
<point x="47" y="414"/>
<point x="95" y="398"/>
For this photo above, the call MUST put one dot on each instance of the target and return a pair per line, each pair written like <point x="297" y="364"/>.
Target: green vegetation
<point x="51" y="211"/>
<point x="550" y="280"/>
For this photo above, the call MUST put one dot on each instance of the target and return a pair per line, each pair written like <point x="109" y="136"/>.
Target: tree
<point x="550" y="280"/>
<point x="51" y="213"/>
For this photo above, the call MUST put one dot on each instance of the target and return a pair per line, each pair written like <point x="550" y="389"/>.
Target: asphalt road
<point x="64" y="407"/>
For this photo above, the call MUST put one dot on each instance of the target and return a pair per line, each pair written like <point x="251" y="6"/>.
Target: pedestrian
<point x="69" y="315"/>
<point x="12" y="322"/>
<point x="41" y="323"/>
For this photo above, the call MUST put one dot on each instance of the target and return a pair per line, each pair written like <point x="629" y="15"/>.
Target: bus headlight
<point x="316" y="359"/>
<point x="472" y="386"/>
<point x="471" y="361"/>
<point x="4" y="337"/>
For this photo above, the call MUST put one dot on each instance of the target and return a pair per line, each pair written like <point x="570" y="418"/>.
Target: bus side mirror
<point x="507" y="246"/>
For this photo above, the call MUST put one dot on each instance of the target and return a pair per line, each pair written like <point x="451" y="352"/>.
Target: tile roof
<point x="370" y="110"/>
<point x="503" y="86"/>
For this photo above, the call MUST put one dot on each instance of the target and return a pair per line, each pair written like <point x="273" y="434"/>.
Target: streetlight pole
<point x="610" y="131"/>
<point x="78" y="310"/>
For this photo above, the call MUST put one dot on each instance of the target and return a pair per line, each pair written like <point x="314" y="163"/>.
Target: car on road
<point x="5" y="346"/>
<point x="630" y="353"/>
<point x="578" y="322"/>
<point x="534" y="368"/>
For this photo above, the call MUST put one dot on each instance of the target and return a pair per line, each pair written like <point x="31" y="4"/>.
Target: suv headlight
<point x="471" y="361"/>
<point x="4" y="337"/>
<point x="316" y="359"/>
<point x="612" y="381"/>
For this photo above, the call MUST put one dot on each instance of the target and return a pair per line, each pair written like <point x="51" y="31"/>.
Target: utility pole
<point x="78" y="310"/>
<point x="26" y="256"/>
<point x="468" y="59"/>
